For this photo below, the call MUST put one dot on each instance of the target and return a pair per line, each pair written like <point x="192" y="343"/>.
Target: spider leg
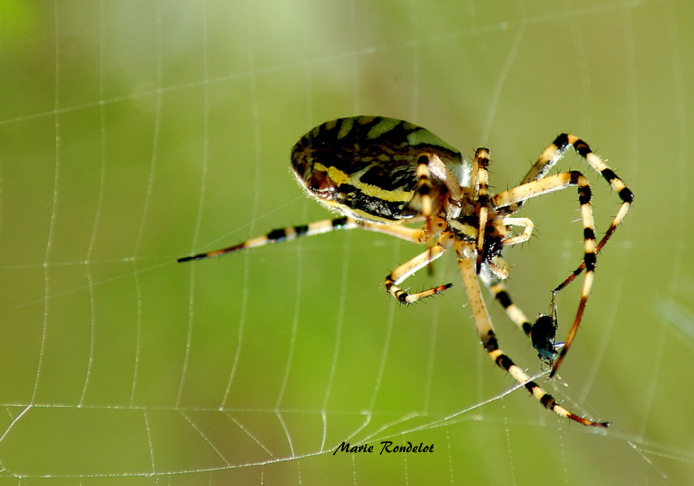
<point x="282" y="234"/>
<point x="491" y="344"/>
<point x="541" y="332"/>
<point x="428" y="165"/>
<point x="552" y="154"/>
<point x="320" y="227"/>
<point x="500" y="293"/>
<point x="408" y="268"/>
<point x="496" y="264"/>
<point x="557" y="182"/>
<point x="418" y="235"/>
<point x="613" y="226"/>
<point x="603" y="169"/>
<point x="527" y="225"/>
<point x="481" y="195"/>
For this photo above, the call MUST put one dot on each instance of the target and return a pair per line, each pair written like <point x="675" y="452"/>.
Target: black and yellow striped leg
<point x="320" y="227"/>
<point x="480" y="182"/>
<point x="282" y="234"/>
<point x="410" y="267"/>
<point x="491" y="345"/>
<point x="428" y="165"/>
<point x="550" y="157"/>
<point x="554" y="183"/>
<point x="500" y="293"/>
<point x="541" y="333"/>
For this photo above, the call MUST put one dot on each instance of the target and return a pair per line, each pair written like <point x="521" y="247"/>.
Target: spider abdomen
<point x="366" y="167"/>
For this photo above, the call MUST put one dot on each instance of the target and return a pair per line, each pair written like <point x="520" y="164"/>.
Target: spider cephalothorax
<point x="379" y="172"/>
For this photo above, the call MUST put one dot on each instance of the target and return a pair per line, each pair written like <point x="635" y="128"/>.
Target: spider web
<point x="133" y="133"/>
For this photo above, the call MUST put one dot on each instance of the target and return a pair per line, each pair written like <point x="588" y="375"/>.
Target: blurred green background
<point x="136" y="132"/>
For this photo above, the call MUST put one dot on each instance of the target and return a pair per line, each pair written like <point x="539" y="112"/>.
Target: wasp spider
<point x="378" y="172"/>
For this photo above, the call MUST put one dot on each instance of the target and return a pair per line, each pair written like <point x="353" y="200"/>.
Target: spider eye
<point x="321" y="185"/>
